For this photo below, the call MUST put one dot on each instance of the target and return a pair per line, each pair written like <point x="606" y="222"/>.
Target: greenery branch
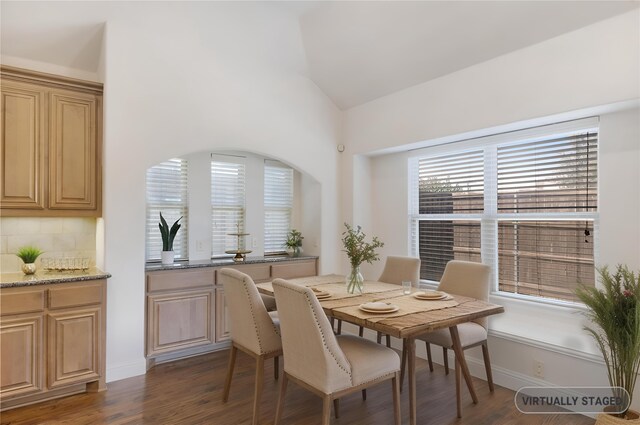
<point x="357" y="249"/>
<point x="168" y="235"/>
<point x="29" y="254"/>
<point x="615" y="312"/>
<point x="294" y="239"/>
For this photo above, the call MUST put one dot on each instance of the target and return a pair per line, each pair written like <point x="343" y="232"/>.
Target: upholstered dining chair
<point x="253" y="330"/>
<point x="471" y="280"/>
<point x="328" y="365"/>
<point x="396" y="270"/>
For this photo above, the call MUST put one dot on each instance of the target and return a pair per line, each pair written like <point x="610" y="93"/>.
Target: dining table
<point x="412" y="318"/>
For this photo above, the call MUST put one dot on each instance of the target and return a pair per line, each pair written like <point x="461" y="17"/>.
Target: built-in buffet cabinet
<point x="52" y="341"/>
<point x="186" y="310"/>
<point x="50" y="158"/>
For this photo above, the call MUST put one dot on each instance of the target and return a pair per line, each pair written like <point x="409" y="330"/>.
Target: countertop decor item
<point x="294" y="243"/>
<point x="358" y="252"/>
<point x="29" y="255"/>
<point x="240" y="251"/>
<point x="615" y="312"/>
<point x="168" y="235"/>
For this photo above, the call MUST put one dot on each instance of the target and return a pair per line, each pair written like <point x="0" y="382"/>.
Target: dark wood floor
<point x="189" y="392"/>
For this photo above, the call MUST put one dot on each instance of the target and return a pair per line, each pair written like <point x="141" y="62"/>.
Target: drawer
<point x="76" y="295"/>
<point x="294" y="269"/>
<point x="258" y="272"/>
<point x="21" y="301"/>
<point x="179" y="279"/>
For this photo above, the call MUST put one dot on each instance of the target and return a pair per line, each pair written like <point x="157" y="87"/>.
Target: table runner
<point x="407" y="303"/>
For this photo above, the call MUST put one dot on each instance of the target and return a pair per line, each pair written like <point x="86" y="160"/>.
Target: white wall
<point x="534" y="86"/>
<point x="184" y="77"/>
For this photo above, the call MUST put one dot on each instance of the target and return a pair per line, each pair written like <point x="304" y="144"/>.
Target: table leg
<point x="457" y="348"/>
<point x="411" y="360"/>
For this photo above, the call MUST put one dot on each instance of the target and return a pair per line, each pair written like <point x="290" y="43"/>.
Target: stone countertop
<point x="217" y="262"/>
<point x="44" y="277"/>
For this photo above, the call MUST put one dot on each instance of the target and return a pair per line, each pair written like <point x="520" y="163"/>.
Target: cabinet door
<point x="21" y="355"/>
<point x="73" y="151"/>
<point x="179" y="320"/>
<point x="23" y="135"/>
<point x="222" y="317"/>
<point x="73" y="346"/>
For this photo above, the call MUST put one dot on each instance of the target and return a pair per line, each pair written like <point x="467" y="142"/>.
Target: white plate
<point x="378" y="307"/>
<point x="323" y="296"/>
<point x="431" y="295"/>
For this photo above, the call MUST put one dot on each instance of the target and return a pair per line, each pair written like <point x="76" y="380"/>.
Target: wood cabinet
<point x="50" y="158"/>
<point x="186" y="310"/>
<point x="52" y="341"/>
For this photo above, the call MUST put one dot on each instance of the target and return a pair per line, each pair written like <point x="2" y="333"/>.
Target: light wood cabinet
<point x="52" y="341"/>
<point x="50" y="158"/>
<point x="186" y="310"/>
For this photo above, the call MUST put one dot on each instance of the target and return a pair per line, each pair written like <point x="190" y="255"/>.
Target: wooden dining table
<point x="413" y="318"/>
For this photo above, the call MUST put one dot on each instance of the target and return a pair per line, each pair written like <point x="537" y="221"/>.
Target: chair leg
<point x="280" y="406"/>
<point x="446" y="361"/>
<point x="276" y="367"/>
<point x="389" y="341"/>
<point x="379" y="337"/>
<point x="458" y="396"/>
<point x="227" y="382"/>
<point x="339" y="327"/>
<point x="395" y="385"/>
<point x="428" y="347"/>
<point x="361" y="331"/>
<point x="487" y="364"/>
<point x="258" y="390"/>
<point x="336" y="407"/>
<point x="403" y="364"/>
<point x="326" y="409"/>
<point x="364" y="395"/>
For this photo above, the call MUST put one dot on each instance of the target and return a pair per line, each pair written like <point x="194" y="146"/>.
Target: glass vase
<point x="355" y="281"/>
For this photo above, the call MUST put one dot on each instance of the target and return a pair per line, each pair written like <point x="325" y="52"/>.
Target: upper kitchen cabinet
<point x="50" y="159"/>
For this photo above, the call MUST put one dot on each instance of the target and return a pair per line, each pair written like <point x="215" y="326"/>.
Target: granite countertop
<point x="44" y="277"/>
<point x="216" y="262"/>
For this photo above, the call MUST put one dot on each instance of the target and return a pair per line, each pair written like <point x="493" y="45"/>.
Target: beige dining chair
<point x="328" y="365"/>
<point x="471" y="280"/>
<point x="396" y="270"/>
<point x="253" y="330"/>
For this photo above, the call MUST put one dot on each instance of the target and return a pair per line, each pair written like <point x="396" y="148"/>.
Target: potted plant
<point x="615" y="312"/>
<point x="168" y="235"/>
<point x="294" y="243"/>
<point x="28" y="255"/>
<point x="358" y="251"/>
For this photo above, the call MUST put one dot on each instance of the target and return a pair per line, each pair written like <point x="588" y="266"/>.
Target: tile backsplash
<point x="57" y="237"/>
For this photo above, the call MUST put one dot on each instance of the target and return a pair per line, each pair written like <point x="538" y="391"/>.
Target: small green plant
<point x="615" y="312"/>
<point x="357" y="249"/>
<point x="168" y="235"/>
<point x="294" y="239"/>
<point x="28" y="254"/>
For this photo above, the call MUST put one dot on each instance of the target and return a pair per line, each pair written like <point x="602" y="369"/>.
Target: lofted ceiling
<point x="356" y="51"/>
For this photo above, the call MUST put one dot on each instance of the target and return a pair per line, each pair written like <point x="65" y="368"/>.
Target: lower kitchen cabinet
<point x="52" y="341"/>
<point x="186" y="313"/>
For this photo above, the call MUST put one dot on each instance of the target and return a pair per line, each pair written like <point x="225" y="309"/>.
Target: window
<point x="227" y="202"/>
<point x="278" y="205"/>
<point x="523" y="202"/>
<point x="167" y="193"/>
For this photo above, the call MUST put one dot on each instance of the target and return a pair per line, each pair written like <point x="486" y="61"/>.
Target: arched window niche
<point x="208" y="188"/>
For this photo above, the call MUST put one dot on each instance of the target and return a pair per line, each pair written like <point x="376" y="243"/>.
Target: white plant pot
<point x="167" y="257"/>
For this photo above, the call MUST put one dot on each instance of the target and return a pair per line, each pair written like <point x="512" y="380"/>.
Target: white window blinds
<point x="278" y="205"/>
<point x="524" y="203"/>
<point x="167" y="193"/>
<point x="227" y="202"/>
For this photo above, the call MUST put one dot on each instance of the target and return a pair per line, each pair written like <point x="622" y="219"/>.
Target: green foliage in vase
<point x="168" y="235"/>
<point x="29" y="254"/>
<point x="357" y="249"/>
<point x="294" y="239"/>
<point x="615" y="312"/>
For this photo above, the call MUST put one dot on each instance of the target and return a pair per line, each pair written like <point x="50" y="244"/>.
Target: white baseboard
<point x="126" y="370"/>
